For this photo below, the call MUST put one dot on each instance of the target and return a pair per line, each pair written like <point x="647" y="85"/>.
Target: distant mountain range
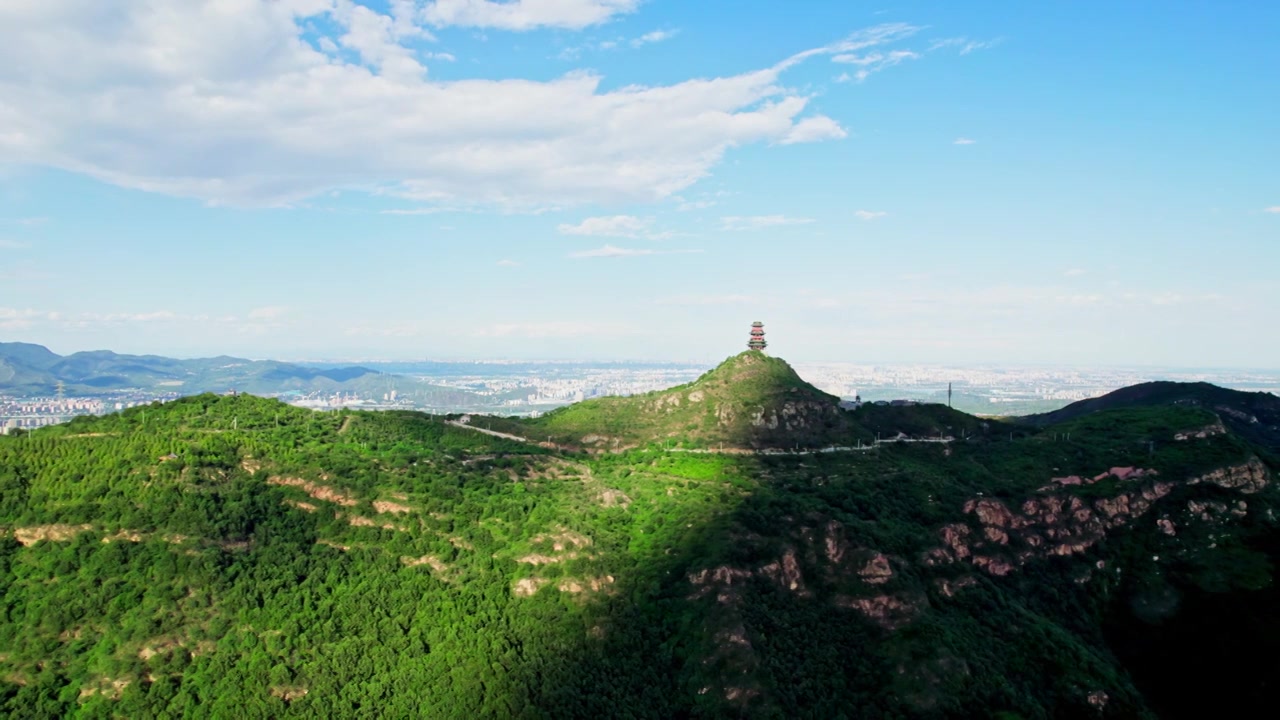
<point x="29" y="369"/>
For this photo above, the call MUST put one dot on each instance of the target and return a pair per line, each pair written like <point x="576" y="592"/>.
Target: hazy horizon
<point x="689" y="362"/>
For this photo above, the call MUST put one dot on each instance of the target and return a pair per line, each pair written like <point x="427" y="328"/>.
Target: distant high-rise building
<point x="757" y="337"/>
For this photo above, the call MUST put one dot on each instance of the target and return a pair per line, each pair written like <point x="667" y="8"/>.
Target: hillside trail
<point x="723" y="451"/>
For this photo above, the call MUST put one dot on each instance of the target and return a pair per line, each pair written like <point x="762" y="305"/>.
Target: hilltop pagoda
<point x="757" y="337"/>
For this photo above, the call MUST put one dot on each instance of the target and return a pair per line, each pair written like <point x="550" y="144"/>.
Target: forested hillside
<point x="236" y="557"/>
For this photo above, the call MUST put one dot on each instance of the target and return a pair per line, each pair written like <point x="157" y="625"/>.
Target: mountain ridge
<point x="1254" y="415"/>
<point x="749" y="401"/>
<point x="32" y="369"/>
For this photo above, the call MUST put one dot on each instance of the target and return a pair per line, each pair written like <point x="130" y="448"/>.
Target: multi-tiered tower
<point x="757" y="337"/>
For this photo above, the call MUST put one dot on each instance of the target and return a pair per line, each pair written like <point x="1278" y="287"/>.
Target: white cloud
<point x="965" y="45"/>
<point x="270" y="312"/>
<point x="21" y="318"/>
<point x="611" y="251"/>
<point x="6" y="244"/>
<point x="729" y="299"/>
<point x="557" y="329"/>
<point x="628" y="226"/>
<point x="686" y="205"/>
<point x="756" y="222"/>
<point x="869" y="214"/>
<point x="508" y="263"/>
<point x="963" y="141"/>
<point x="525" y="14"/>
<point x="1273" y="209"/>
<point x="1075" y="272"/>
<point x="872" y="62"/>
<point x="414" y="211"/>
<point x="400" y="331"/>
<point x="244" y="108"/>
<point x="814" y="129"/>
<point x="656" y="36"/>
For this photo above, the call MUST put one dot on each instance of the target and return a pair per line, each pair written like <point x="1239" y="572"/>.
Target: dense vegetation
<point x="233" y="556"/>
<point x="1254" y="416"/>
<point x="750" y="400"/>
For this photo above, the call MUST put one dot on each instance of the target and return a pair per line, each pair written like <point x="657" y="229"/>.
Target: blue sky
<point x="999" y="182"/>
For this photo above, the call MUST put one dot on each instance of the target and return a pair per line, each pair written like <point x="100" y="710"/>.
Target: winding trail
<point x="725" y="451"/>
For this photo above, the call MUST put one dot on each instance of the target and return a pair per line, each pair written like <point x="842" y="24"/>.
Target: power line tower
<point x="62" y="391"/>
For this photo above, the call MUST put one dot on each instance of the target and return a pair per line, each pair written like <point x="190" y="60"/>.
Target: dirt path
<point x="494" y="433"/>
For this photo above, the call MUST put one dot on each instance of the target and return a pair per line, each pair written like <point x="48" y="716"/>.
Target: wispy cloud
<point x="728" y="299"/>
<point x="656" y="36"/>
<point x="1075" y="272"/>
<point x="611" y="251"/>
<point x="869" y="214"/>
<point x="554" y="329"/>
<point x="6" y="244"/>
<point x="963" y="141"/>
<point x="814" y="129"/>
<point x="627" y="226"/>
<point x="22" y="318"/>
<point x="873" y="62"/>
<point x="270" y="312"/>
<point x="1273" y="209"/>
<point x="415" y="211"/>
<point x="521" y="15"/>
<point x="400" y="331"/>
<point x="257" y="321"/>
<point x="964" y="45"/>
<point x="757" y="222"/>
<point x="686" y="205"/>
<point x="508" y="263"/>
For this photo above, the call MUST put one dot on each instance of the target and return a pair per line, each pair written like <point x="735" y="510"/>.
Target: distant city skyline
<point x="933" y="183"/>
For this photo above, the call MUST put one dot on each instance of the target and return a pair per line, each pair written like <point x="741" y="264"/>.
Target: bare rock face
<point x="1054" y="525"/>
<point x="949" y="588"/>
<point x="1210" y="430"/>
<point x="888" y="611"/>
<point x="1249" y="477"/>
<point x="877" y="570"/>
<point x="834" y="543"/>
<point x="786" y="573"/>
<point x="527" y="586"/>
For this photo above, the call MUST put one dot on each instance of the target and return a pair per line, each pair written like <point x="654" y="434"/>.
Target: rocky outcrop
<point x="785" y="572"/>
<point x="877" y="570"/>
<point x="1249" y="477"/>
<point x="1120" y="473"/>
<point x="1064" y="525"/>
<point x="888" y="611"/>
<point x="949" y="588"/>
<point x="527" y="586"/>
<point x="315" y="490"/>
<point x="1207" y="431"/>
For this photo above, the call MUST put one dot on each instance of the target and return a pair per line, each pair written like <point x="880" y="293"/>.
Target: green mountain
<point x="1252" y="415"/>
<point x="750" y="401"/>
<point x="28" y="369"/>
<point x="236" y="557"/>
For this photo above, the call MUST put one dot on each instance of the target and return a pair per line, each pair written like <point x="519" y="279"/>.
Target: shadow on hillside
<point x="725" y="624"/>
